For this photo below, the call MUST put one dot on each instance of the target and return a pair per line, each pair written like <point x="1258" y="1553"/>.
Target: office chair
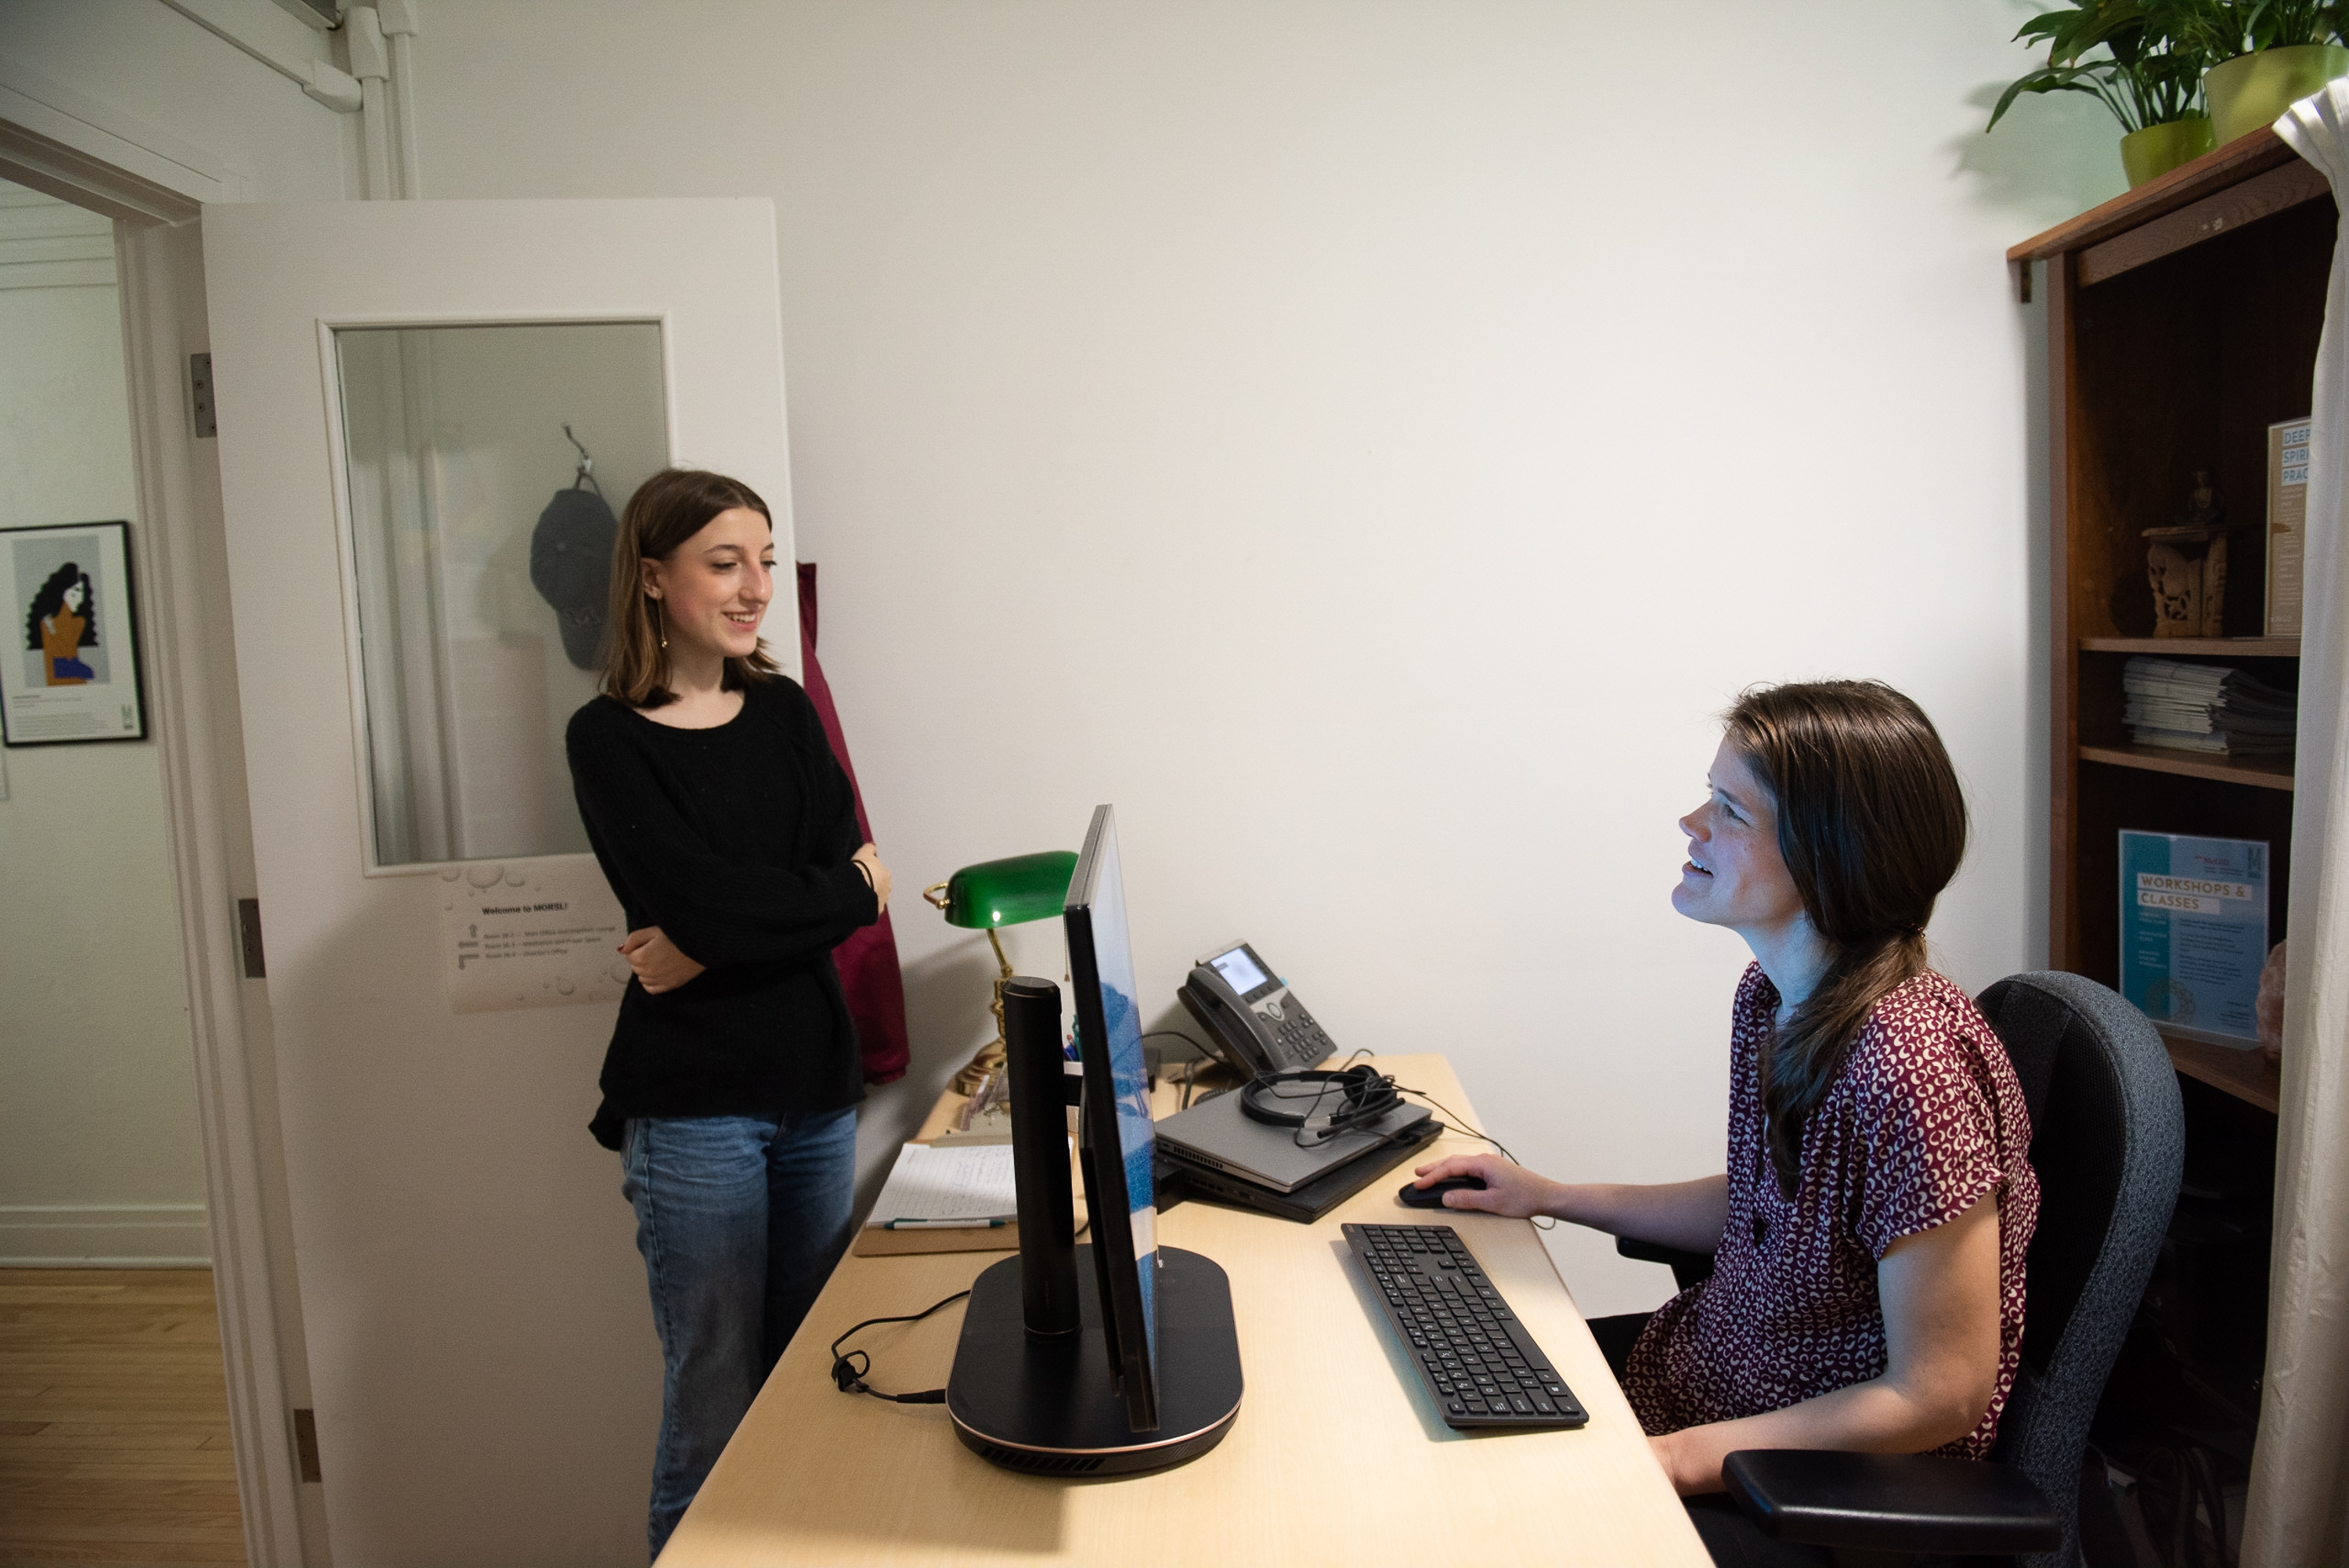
<point x="2108" y="1144"/>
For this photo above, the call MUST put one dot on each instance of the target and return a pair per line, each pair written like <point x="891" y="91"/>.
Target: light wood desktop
<point x="1336" y="1456"/>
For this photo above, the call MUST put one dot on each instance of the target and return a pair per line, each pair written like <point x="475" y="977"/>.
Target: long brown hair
<point x="667" y="509"/>
<point x="1872" y="825"/>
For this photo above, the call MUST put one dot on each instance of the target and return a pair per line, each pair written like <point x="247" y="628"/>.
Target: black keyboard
<point x="1475" y="1357"/>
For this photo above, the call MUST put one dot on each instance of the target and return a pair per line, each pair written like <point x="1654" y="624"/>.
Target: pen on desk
<point x="943" y="1224"/>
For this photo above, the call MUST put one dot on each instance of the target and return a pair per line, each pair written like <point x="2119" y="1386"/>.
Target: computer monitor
<point x="1117" y="1118"/>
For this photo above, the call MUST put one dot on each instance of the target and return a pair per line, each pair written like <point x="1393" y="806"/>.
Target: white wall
<point x="1379" y="436"/>
<point x="99" y="1156"/>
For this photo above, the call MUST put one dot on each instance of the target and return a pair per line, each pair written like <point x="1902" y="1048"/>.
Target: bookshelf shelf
<point x="2196" y="647"/>
<point x="2219" y="173"/>
<point x="2248" y="1075"/>
<point x="2260" y="773"/>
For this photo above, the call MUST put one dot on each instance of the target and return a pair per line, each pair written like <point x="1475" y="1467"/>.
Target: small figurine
<point x="2190" y="586"/>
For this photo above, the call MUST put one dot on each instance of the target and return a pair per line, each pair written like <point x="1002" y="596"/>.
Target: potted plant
<point x="2149" y="76"/>
<point x="2265" y="56"/>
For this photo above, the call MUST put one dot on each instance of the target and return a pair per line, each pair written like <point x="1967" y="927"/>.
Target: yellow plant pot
<point x="2250" y="90"/>
<point x="2159" y="149"/>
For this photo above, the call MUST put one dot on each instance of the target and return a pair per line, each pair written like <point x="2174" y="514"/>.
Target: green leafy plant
<point x="2155" y="52"/>
<point x="2278" y="23"/>
<point x="2222" y="29"/>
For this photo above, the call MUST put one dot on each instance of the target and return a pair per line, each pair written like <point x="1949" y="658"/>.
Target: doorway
<point x="118" y="1440"/>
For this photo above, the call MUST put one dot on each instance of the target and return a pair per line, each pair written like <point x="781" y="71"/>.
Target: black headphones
<point x="1364" y="1094"/>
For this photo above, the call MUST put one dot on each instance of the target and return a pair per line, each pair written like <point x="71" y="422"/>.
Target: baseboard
<point x="105" y="1235"/>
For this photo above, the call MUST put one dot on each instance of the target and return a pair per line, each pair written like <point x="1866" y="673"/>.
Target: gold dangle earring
<point x="661" y="628"/>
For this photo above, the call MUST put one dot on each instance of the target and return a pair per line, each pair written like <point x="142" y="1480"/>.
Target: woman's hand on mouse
<point x="868" y="860"/>
<point x="1510" y="1191"/>
<point x="659" y="965"/>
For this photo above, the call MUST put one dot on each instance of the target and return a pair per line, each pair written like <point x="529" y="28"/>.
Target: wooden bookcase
<point x="2182" y="320"/>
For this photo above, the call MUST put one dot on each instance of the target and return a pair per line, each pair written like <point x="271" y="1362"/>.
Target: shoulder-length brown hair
<point x="1872" y="824"/>
<point x="667" y="509"/>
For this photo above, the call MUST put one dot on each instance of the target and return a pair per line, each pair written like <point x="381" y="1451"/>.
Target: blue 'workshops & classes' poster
<point x="2194" y="930"/>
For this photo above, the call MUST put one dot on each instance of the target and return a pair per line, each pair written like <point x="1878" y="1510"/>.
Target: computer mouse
<point x="1414" y="1196"/>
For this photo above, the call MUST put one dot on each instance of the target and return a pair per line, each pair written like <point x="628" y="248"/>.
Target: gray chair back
<point x="2107" y="1142"/>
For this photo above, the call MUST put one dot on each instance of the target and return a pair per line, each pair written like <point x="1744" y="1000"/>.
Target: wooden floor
<point x="114" y="1443"/>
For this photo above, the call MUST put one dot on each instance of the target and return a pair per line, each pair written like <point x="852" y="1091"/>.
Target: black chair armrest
<point x="1891" y="1502"/>
<point x="1687" y="1267"/>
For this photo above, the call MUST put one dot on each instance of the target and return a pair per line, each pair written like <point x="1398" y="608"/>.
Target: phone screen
<point x="1238" y="970"/>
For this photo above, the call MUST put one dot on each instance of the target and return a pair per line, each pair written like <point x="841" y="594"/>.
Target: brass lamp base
<point x="992" y="1055"/>
<point x="980" y="1068"/>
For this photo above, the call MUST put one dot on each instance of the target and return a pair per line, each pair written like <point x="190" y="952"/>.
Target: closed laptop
<point x="1217" y="1134"/>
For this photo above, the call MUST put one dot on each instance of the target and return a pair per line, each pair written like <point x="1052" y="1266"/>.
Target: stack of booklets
<point x="2206" y="707"/>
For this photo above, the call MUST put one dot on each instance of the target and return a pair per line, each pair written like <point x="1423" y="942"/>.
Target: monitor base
<point x="1047" y="1407"/>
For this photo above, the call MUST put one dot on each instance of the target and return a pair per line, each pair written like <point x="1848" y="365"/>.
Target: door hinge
<point x="200" y="396"/>
<point x="248" y="930"/>
<point x="306" y="1444"/>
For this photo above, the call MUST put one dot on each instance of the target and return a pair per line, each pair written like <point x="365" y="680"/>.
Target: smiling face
<point x="714" y="587"/>
<point x="1734" y="875"/>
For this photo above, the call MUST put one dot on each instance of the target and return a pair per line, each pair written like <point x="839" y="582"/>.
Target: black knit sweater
<point x="735" y="840"/>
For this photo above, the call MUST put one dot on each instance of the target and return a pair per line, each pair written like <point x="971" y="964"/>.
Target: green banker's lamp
<point x="1001" y="892"/>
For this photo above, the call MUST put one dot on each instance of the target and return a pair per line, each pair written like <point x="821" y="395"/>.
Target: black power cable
<point x="848" y="1371"/>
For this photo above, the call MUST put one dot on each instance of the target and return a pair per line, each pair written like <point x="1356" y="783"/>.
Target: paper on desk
<point x="962" y="1182"/>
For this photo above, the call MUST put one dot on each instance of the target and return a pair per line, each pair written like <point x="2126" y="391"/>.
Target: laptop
<point x="1215" y="1135"/>
<point x="1179" y="1179"/>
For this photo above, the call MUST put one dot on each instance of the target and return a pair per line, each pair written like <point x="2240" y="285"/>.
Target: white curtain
<point x="2299" y="1512"/>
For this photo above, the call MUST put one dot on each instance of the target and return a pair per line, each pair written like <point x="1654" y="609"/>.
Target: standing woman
<point x="728" y="829"/>
<point x="1869" y="1231"/>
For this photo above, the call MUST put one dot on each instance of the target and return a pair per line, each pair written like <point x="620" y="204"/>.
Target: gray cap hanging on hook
<point x="571" y="560"/>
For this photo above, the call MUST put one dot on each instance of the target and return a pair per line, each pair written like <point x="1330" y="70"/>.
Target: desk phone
<point x="1255" y="1022"/>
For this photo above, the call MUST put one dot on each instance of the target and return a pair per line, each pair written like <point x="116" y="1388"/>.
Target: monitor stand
<point x="1032" y="1388"/>
<point x="1049" y="1406"/>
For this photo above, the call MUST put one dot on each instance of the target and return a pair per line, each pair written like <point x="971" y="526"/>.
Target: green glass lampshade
<point x="1007" y="892"/>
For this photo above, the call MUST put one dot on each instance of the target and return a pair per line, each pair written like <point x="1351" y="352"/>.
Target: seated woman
<point x="1868" y="1236"/>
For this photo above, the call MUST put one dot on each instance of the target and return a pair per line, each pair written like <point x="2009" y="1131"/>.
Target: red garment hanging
<point x="868" y="960"/>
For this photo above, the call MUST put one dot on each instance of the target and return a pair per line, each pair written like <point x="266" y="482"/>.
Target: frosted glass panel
<point x="482" y="563"/>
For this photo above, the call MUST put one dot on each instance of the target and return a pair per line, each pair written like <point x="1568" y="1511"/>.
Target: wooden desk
<point x="1336" y="1456"/>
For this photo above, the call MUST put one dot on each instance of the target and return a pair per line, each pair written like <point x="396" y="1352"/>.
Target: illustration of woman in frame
<point x="62" y="622"/>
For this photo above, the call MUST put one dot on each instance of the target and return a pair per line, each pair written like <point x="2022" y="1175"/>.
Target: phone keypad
<point x="1300" y="1038"/>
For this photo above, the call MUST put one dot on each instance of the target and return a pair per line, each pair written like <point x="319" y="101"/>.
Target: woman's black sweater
<point x="735" y="840"/>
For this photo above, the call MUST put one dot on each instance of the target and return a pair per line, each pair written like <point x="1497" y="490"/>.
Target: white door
<point x="392" y="381"/>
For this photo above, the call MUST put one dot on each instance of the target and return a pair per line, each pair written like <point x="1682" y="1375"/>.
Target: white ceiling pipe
<point x="401" y="27"/>
<point x="371" y="64"/>
<point x="316" y="78"/>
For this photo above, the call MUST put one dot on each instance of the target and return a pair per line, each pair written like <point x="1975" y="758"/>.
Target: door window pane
<point x="482" y="566"/>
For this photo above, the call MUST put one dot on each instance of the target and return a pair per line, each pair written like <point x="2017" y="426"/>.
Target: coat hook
<point x="586" y="470"/>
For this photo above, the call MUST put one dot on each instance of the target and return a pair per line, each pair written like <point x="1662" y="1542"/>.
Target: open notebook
<point x="961" y="1184"/>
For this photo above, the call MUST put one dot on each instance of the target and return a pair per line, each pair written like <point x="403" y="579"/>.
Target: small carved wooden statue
<point x="2187" y="564"/>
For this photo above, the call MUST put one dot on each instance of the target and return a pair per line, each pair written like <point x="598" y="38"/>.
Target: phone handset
<point x="1255" y="1022"/>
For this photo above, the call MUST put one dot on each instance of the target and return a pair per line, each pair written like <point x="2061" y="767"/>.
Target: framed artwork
<point x="70" y="672"/>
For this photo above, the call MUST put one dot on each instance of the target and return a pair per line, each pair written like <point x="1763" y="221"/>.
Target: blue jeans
<point x="741" y="1219"/>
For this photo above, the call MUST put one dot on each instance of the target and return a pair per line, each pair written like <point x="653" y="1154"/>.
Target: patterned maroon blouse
<point x="1924" y="1117"/>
